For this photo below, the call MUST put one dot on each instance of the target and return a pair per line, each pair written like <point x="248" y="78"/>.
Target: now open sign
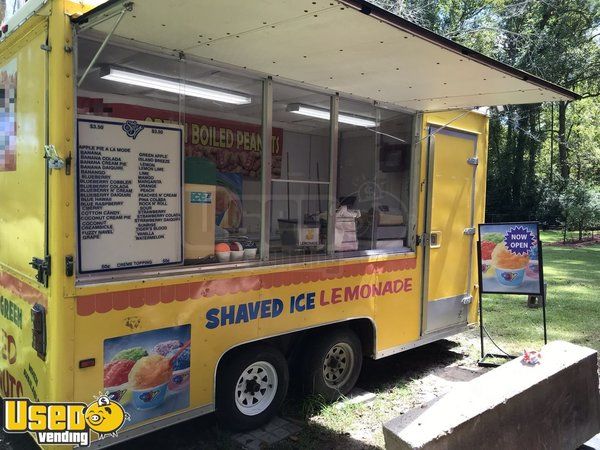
<point x="510" y="258"/>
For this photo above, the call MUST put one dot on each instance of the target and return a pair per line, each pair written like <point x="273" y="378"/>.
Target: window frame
<point x="265" y="259"/>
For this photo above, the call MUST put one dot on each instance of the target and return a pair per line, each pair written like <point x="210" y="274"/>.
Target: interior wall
<point x="306" y="154"/>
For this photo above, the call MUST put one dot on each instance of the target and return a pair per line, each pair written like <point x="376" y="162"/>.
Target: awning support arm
<point x="127" y="7"/>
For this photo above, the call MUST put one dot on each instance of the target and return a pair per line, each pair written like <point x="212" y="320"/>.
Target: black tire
<point x="230" y="409"/>
<point x="322" y="375"/>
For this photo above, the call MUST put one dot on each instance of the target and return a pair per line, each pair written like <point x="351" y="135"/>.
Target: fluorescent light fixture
<point x="164" y="84"/>
<point x="92" y="3"/>
<point x="319" y="113"/>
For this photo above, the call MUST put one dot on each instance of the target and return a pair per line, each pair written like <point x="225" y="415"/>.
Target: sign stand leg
<point x="481" y="325"/>
<point x="482" y="362"/>
<point x="544" y="313"/>
<point x="480" y="303"/>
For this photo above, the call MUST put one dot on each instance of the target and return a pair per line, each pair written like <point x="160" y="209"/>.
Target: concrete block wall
<point x="553" y="405"/>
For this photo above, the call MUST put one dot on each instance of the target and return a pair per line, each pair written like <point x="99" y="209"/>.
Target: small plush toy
<point x="531" y="357"/>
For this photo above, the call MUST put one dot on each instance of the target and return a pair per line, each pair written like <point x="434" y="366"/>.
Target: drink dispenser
<point x="200" y="196"/>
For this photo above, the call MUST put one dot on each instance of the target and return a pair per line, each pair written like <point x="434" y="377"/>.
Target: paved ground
<point x="592" y="444"/>
<point x="275" y="431"/>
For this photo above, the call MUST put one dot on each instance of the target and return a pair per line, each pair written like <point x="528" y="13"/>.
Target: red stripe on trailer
<point x="136" y="298"/>
<point x="22" y="290"/>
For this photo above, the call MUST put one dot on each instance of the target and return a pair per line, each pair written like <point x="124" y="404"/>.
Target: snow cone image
<point x="116" y="380"/>
<point x="487" y="268"/>
<point x="148" y="380"/>
<point x="180" y="363"/>
<point x="533" y="268"/>
<point x="132" y="354"/>
<point x="149" y="372"/>
<point x="166" y="347"/>
<point x="116" y="373"/>
<point x="181" y="370"/>
<point x="509" y="266"/>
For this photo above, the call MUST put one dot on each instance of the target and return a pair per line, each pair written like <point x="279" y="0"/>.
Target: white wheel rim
<point x="338" y="365"/>
<point x="256" y="388"/>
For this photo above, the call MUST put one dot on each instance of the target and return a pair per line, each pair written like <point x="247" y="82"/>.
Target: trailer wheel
<point x="332" y="364"/>
<point x="251" y="387"/>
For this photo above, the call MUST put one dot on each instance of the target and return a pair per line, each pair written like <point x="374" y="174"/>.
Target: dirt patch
<point x="400" y="383"/>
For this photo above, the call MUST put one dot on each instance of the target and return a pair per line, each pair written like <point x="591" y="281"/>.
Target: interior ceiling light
<point x="164" y="84"/>
<point x="319" y="113"/>
<point x="91" y="3"/>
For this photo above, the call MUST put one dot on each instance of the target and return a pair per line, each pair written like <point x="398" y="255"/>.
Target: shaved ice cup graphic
<point x="510" y="277"/>
<point x="533" y="270"/>
<point x="180" y="380"/>
<point x="120" y="394"/>
<point x="487" y="269"/>
<point x="149" y="398"/>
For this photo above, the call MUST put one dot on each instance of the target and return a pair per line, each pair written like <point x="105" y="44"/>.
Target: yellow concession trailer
<point x="200" y="198"/>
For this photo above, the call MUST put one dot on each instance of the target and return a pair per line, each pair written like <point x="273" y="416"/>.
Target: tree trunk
<point x="563" y="150"/>
<point x="531" y="179"/>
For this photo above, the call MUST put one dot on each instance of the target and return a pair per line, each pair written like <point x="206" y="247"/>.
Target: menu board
<point x="129" y="177"/>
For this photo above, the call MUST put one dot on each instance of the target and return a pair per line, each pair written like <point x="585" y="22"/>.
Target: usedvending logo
<point x="64" y="423"/>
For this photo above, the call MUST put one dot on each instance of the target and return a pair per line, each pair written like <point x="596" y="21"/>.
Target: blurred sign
<point x="510" y="258"/>
<point x="234" y="147"/>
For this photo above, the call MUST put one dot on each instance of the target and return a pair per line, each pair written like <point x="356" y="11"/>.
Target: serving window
<point x="373" y="177"/>
<point x="321" y="203"/>
<point x="300" y="188"/>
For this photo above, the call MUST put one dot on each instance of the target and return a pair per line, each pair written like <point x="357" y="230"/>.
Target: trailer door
<point x="23" y="170"/>
<point x="452" y="165"/>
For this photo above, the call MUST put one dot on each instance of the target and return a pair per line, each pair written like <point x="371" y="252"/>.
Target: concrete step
<point x="552" y="405"/>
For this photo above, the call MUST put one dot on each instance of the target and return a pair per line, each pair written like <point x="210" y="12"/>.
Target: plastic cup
<point x="487" y="269"/>
<point x="120" y="394"/>
<point x="149" y="398"/>
<point x="180" y="380"/>
<point x="533" y="270"/>
<point x="510" y="277"/>
<point x="223" y="256"/>
<point x="237" y="255"/>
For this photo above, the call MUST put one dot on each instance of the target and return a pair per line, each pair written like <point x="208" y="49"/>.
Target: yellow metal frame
<point x="74" y="335"/>
<point x="61" y="99"/>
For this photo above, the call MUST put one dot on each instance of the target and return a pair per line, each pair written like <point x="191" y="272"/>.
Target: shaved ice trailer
<point x="199" y="199"/>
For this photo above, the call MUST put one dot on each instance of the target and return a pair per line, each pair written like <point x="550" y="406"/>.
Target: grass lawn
<point x="573" y="304"/>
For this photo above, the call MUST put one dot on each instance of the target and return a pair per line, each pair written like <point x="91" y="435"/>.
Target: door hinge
<point x="422" y="239"/>
<point x="473" y="161"/>
<point x="467" y="299"/>
<point x="69" y="266"/>
<point x="56" y="162"/>
<point x="469" y="231"/>
<point x="38" y="330"/>
<point x="51" y="155"/>
<point x="43" y="269"/>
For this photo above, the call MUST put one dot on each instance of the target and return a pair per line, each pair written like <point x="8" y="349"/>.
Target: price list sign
<point x="129" y="177"/>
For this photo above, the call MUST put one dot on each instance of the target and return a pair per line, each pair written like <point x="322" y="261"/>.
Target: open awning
<point x="347" y="46"/>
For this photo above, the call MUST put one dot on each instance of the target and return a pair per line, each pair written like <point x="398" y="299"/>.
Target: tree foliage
<point x="544" y="157"/>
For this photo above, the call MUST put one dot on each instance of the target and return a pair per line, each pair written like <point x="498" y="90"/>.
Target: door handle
<point x="435" y="239"/>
